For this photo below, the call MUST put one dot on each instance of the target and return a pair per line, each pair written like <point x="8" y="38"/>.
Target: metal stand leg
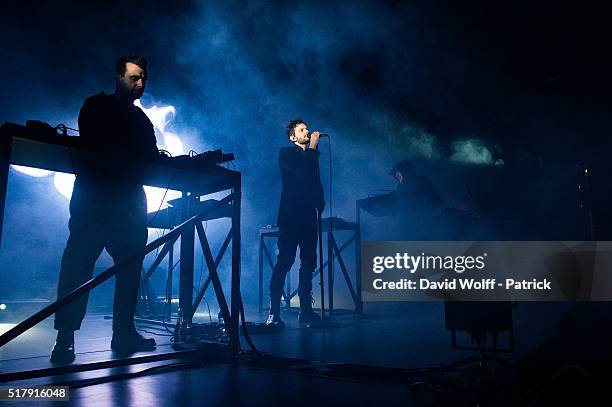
<point x="359" y="308"/>
<point x="218" y="259"/>
<point x="288" y="290"/>
<point x="330" y="267"/>
<point x="186" y="265"/>
<point x="5" y="161"/>
<point x="261" y="243"/>
<point x="212" y="270"/>
<point x="345" y="272"/>
<point x="324" y="323"/>
<point x="234" y="340"/>
<point x="170" y="277"/>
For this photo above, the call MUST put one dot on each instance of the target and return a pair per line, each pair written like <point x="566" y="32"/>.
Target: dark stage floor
<point x="408" y="337"/>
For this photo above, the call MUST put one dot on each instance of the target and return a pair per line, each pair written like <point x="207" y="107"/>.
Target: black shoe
<point x="130" y="342"/>
<point x="274" y="321"/>
<point x="308" y="316"/>
<point x="63" y="352"/>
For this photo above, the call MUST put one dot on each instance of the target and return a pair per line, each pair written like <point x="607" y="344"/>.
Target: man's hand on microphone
<point x="314" y="139"/>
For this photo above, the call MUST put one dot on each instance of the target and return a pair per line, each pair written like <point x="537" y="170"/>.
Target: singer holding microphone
<point x="301" y="199"/>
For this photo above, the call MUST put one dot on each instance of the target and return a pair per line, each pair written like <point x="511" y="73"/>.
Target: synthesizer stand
<point x="24" y="146"/>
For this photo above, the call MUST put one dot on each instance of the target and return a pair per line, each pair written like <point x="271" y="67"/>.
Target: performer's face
<point x="300" y="134"/>
<point x="132" y="83"/>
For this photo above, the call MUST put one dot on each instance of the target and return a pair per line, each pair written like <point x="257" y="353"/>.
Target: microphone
<point x="323" y="135"/>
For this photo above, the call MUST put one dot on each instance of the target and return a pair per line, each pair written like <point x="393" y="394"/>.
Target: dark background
<point x="501" y="104"/>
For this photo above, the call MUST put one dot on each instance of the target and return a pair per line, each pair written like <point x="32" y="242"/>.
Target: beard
<point x="137" y="93"/>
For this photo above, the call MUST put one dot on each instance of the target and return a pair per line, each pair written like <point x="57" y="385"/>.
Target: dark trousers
<point x="304" y="235"/>
<point x="113" y="219"/>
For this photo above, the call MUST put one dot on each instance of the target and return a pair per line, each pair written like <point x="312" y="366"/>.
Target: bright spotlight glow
<point x="169" y="142"/>
<point x="161" y="117"/>
<point x="64" y="183"/>
<point x="157" y="114"/>
<point x="173" y="144"/>
<point x="32" y="172"/>
<point x="2" y="307"/>
<point x="6" y="327"/>
<point x="155" y="195"/>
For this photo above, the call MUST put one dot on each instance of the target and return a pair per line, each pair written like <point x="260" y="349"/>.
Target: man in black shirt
<point x="108" y="209"/>
<point x="417" y="203"/>
<point x="301" y="198"/>
<point x="414" y="189"/>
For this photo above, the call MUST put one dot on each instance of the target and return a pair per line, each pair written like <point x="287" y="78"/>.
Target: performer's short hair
<point x="135" y="59"/>
<point x="292" y="125"/>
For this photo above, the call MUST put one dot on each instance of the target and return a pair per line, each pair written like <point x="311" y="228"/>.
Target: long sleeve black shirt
<point x="302" y="190"/>
<point x="114" y="131"/>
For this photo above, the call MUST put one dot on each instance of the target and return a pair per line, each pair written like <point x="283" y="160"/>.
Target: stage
<point x="412" y="132"/>
<point x="396" y="354"/>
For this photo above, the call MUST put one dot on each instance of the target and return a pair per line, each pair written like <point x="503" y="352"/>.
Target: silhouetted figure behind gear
<point x="108" y="209"/>
<point x="416" y="202"/>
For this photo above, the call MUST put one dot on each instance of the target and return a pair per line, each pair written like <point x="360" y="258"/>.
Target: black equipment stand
<point x="378" y="207"/>
<point x="169" y="218"/>
<point x="324" y="323"/>
<point x="43" y="149"/>
<point x="480" y="319"/>
<point x="334" y="251"/>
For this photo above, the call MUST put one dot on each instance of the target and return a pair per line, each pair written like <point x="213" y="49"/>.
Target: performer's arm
<point x="313" y="158"/>
<point x="87" y="123"/>
<point x="284" y="162"/>
<point x="94" y="125"/>
<point x="152" y="150"/>
<point x="314" y="140"/>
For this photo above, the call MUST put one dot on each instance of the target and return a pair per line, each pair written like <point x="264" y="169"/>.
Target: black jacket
<point x="418" y="191"/>
<point x="113" y="132"/>
<point x="302" y="190"/>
